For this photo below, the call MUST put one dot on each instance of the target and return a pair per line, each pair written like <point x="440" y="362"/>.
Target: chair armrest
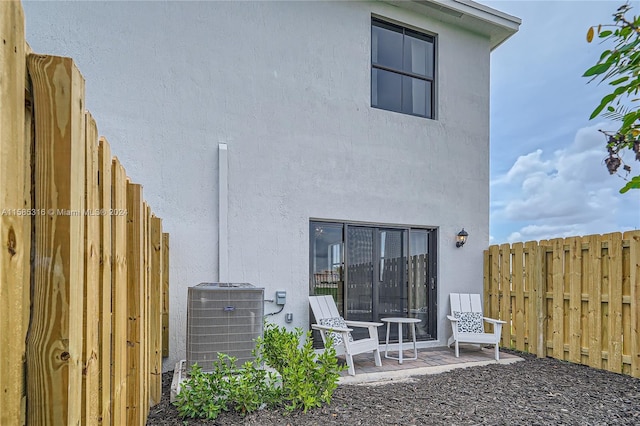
<point x="329" y="328"/>
<point x="494" y="321"/>
<point x="363" y="324"/>
<point x="452" y="318"/>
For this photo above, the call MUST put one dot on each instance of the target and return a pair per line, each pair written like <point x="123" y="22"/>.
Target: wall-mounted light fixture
<point x="461" y="238"/>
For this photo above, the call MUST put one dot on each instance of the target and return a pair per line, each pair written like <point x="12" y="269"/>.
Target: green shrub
<point x="205" y="395"/>
<point x="306" y="380"/>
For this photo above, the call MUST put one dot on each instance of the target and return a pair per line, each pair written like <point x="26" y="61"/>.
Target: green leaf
<point x="628" y="120"/>
<point x="625" y="31"/>
<point x="597" y="69"/>
<point x="605" y="33"/>
<point x="605" y="101"/>
<point x="620" y="80"/>
<point x="620" y="90"/>
<point x="634" y="183"/>
<point x="629" y="46"/>
<point x="605" y="54"/>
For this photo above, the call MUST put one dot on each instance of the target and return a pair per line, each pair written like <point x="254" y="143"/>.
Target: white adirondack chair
<point x="325" y="311"/>
<point x="467" y="323"/>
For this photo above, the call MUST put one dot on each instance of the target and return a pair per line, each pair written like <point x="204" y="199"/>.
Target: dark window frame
<point x="405" y="32"/>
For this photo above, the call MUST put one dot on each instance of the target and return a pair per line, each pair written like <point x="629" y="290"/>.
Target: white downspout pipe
<point x="223" y="211"/>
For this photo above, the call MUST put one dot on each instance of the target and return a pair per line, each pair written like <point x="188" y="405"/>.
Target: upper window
<point x="402" y="69"/>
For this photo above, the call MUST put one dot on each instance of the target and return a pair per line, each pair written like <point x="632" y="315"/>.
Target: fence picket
<point x="104" y="347"/>
<point x="518" y="308"/>
<point x="573" y="267"/>
<point x="494" y="282"/>
<point x="155" y="312"/>
<point x="135" y="302"/>
<point x="54" y="342"/>
<point x="614" y="358"/>
<point x="119" y="294"/>
<point x="505" y="292"/>
<point x="540" y="300"/>
<point x="634" y="283"/>
<point x="595" y="301"/>
<point x="486" y="280"/>
<point x="15" y="230"/>
<point x="165" y="295"/>
<point x="557" y="282"/>
<point x="91" y="322"/>
<point x="530" y="341"/>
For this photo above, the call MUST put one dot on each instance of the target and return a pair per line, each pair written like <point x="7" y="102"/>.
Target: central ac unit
<point x="223" y="318"/>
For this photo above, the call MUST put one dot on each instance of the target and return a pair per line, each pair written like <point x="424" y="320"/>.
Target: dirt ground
<point x="531" y="392"/>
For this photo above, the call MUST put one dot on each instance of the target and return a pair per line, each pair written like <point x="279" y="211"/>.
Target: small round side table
<point x="400" y="320"/>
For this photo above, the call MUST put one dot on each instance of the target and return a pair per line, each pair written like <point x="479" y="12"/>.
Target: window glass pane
<point x="416" y="96"/>
<point x="360" y="267"/>
<point x="419" y="280"/>
<point x="386" y="47"/>
<point x="326" y="261"/>
<point x="418" y="56"/>
<point x="386" y="90"/>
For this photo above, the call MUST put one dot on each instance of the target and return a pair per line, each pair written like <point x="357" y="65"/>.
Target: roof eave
<point x="494" y="24"/>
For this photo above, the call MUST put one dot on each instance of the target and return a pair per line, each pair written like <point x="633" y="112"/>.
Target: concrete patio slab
<point x="430" y="361"/>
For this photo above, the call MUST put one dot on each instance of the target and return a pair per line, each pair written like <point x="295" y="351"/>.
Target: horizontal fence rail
<point x="575" y="299"/>
<point x="84" y="262"/>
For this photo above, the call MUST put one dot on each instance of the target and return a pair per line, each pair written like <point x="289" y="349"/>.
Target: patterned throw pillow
<point x="469" y="322"/>
<point x="335" y="322"/>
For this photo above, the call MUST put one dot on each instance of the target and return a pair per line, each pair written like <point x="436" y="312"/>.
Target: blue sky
<point x="547" y="175"/>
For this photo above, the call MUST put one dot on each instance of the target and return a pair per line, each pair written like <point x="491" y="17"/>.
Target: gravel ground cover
<point x="531" y="392"/>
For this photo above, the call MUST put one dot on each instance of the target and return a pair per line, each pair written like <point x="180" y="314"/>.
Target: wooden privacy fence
<point x="83" y="260"/>
<point x="576" y="299"/>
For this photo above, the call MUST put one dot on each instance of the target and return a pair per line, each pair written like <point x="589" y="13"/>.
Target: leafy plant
<point x="205" y="395"/>
<point x="306" y="380"/>
<point x="620" y="68"/>
<point x="196" y="399"/>
<point x="253" y="388"/>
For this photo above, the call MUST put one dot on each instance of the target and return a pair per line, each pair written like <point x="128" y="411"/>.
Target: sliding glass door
<point x="375" y="272"/>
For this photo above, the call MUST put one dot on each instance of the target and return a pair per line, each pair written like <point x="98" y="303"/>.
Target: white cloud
<point x="564" y="193"/>
<point x="524" y="165"/>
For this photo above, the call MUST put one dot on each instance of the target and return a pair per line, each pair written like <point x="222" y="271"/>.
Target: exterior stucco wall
<point x="287" y="87"/>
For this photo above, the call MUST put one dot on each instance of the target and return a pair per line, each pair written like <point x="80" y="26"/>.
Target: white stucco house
<point x="309" y="147"/>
